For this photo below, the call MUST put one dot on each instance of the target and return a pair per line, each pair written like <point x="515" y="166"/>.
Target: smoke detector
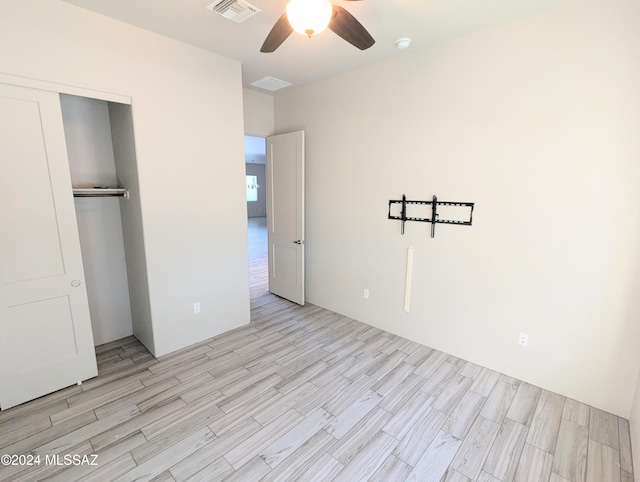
<point x="403" y="43"/>
<point x="234" y="10"/>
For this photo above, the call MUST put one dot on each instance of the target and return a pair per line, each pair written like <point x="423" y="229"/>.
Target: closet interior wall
<point x="88" y="132"/>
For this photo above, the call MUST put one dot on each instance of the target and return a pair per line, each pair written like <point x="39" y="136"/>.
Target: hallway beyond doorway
<point x="258" y="257"/>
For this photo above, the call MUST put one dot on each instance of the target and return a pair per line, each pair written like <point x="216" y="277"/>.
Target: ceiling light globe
<point x="309" y="17"/>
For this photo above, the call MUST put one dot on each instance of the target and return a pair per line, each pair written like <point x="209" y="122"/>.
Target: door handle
<point x="75" y="283"/>
<point x="297" y="242"/>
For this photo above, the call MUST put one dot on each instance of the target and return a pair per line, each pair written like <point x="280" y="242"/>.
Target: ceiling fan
<point x="310" y="17"/>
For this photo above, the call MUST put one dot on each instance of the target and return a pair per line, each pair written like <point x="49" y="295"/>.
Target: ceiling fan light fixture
<point x="309" y="17"/>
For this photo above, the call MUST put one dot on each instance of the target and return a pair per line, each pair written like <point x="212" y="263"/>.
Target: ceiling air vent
<point x="236" y="10"/>
<point x="271" y="83"/>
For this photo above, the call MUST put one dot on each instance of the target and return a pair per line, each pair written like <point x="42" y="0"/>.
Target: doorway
<point x="256" y="184"/>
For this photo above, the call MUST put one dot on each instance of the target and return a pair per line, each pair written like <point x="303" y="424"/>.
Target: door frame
<point x="60" y="88"/>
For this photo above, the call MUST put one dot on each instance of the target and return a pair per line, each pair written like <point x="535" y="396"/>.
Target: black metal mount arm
<point x="434" y="219"/>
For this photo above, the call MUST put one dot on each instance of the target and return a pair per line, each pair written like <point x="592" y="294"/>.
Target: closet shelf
<point x="101" y="192"/>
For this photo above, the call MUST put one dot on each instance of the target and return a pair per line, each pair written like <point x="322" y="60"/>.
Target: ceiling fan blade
<point x="279" y="33"/>
<point x="346" y="26"/>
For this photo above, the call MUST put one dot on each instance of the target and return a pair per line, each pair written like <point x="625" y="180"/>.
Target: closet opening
<point x="101" y="153"/>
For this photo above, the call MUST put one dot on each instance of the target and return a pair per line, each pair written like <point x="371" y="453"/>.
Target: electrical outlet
<point x="524" y="339"/>
<point x="196" y="307"/>
<point x="366" y="294"/>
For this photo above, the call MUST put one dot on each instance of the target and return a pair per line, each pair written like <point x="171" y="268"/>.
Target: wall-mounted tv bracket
<point x="434" y="213"/>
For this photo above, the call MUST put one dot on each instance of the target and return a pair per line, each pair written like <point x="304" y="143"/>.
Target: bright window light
<point x="252" y="188"/>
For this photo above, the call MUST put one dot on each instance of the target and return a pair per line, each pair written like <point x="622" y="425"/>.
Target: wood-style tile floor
<point x="306" y="394"/>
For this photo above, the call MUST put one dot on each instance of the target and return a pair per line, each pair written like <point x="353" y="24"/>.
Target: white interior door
<point x="285" y="217"/>
<point x="45" y="330"/>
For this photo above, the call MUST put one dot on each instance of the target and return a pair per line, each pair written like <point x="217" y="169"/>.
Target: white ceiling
<point x="302" y="60"/>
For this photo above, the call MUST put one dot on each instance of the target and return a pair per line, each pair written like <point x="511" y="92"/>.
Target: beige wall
<point x="188" y="121"/>
<point x="258" y="113"/>
<point x="536" y="121"/>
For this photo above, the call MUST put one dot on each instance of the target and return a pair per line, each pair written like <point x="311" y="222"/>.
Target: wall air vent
<point x="236" y="10"/>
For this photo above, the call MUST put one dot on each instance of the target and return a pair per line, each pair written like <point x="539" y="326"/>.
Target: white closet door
<point x="45" y="330"/>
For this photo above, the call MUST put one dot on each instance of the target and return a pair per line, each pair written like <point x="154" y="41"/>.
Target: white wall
<point x="188" y="121"/>
<point x="536" y="121"/>
<point x="258" y="113"/>
<point x="88" y="134"/>
<point x="124" y="154"/>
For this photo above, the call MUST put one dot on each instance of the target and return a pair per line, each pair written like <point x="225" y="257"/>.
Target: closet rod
<point x="101" y="192"/>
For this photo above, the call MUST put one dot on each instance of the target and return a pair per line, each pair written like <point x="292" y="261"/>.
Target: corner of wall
<point x="634" y="422"/>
